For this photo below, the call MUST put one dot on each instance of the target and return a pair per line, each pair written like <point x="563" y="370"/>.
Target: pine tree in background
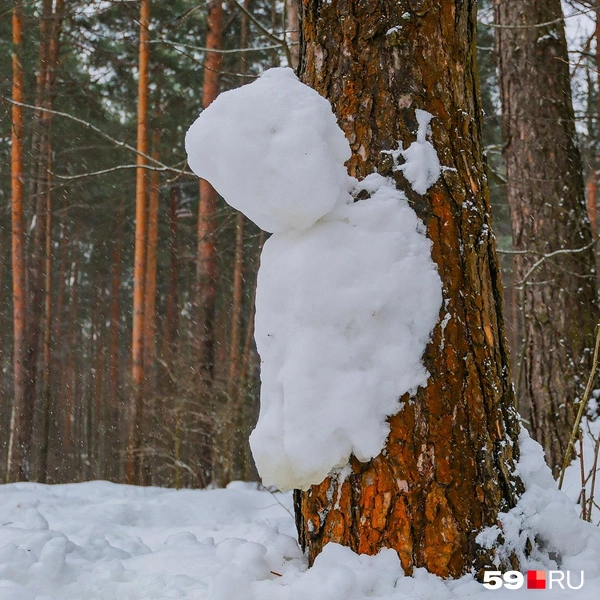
<point x="134" y="458"/>
<point x="18" y="467"/>
<point x="551" y="231"/>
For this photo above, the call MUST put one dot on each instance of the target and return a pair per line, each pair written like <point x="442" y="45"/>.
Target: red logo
<point x="536" y="580"/>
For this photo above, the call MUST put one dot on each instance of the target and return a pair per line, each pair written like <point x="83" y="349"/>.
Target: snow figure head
<point x="347" y="292"/>
<point x="273" y="150"/>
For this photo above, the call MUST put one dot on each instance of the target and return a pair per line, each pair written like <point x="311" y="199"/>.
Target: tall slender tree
<point x="50" y="80"/>
<point x="19" y="446"/>
<point x="151" y="259"/>
<point x="551" y="229"/>
<point x="141" y="224"/>
<point x="206" y="265"/>
<point x="447" y="469"/>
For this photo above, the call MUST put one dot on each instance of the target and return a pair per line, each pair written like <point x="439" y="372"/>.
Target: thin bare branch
<point x="118" y="168"/>
<point x="545" y="257"/>
<point x="216" y="51"/>
<point x="99" y="131"/>
<point x="535" y="25"/>
<point x="582" y="405"/>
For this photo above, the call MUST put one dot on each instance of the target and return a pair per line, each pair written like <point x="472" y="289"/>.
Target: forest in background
<point x="194" y="393"/>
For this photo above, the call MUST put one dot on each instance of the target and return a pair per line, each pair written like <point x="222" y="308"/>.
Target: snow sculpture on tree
<point x="347" y="292"/>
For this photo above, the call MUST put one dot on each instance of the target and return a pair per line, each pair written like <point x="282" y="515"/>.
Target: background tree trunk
<point x="47" y="407"/>
<point x="132" y="470"/>
<point x="19" y="446"/>
<point x="150" y="290"/>
<point x="206" y="261"/>
<point x="206" y="266"/>
<point x="548" y="212"/>
<point x="447" y="468"/>
<point x="293" y="30"/>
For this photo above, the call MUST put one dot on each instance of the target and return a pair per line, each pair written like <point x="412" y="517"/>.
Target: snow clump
<point x="273" y="150"/>
<point x="422" y="165"/>
<point x="344" y="311"/>
<point x="347" y="291"/>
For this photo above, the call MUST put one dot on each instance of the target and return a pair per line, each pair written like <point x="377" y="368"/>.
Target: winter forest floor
<point x="103" y="541"/>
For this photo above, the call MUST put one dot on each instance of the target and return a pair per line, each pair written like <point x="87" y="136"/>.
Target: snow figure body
<point x="347" y="292"/>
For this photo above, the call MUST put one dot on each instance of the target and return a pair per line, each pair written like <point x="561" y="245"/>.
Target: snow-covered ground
<point x="98" y="540"/>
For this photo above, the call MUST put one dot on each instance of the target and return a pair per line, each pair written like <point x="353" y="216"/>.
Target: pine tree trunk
<point x="172" y="324"/>
<point x="150" y="291"/>
<point x="548" y="213"/>
<point x="71" y="384"/>
<point x="41" y="195"/>
<point x="447" y="469"/>
<point x="114" y="400"/>
<point x="61" y="343"/>
<point x="132" y="466"/>
<point x="53" y="62"/>
<point x="19" y="445"/>
<point x="238" y="260"/>
<point x="206" y="267"/>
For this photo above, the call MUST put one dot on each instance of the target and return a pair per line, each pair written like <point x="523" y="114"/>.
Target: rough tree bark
<point x="548" y="213"/>
<point x="446" y="471"/>
<point x="19" y="445"/>
<point x="132" y="465"/>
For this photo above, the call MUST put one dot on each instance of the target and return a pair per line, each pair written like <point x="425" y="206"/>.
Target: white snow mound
<point x="273" y="150"/>
<point x="347" y="292"/>
<point x="544" y="530"/>
<point x="344" y="311"/>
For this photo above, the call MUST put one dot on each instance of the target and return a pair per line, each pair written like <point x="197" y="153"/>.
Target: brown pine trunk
<point x="548" y="213"/>
<point x="172" y="324"/>
<point x="19" y="445"/>
<point x="132" y="466"/>
<point x="61" y="341"/>
<point x="150" y="290"/>
<point x="42" y="151"/>
<point x="249" y="372"/>
<point x="236" y="308"/>
<point x="71" y="384"/>
<point x="447" y="469"/>
<point x="238" y="260"/>
<point x="115" y="310"/>
<point x="206" y="266"/>
<point x="53" y="61"/>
